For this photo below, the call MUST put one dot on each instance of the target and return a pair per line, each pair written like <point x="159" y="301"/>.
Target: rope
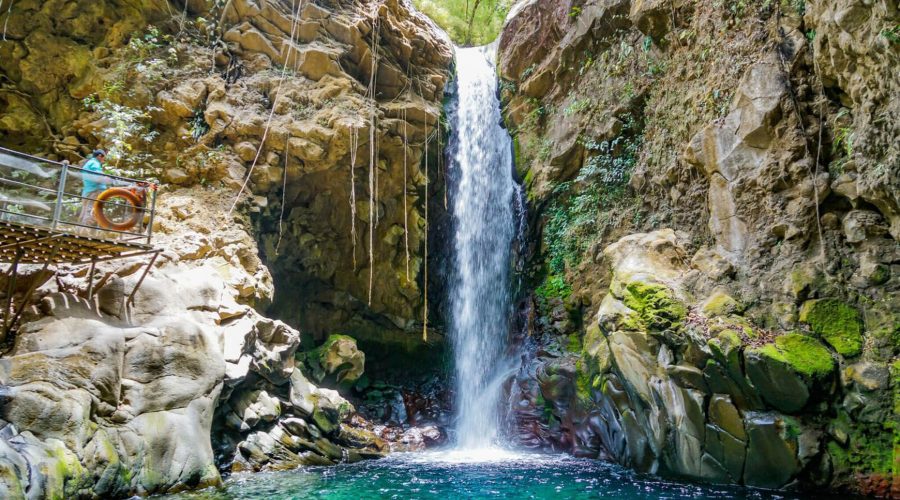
<point x="796" y="106"/>
<point x="295" y="11"/>
<point x="425" y="278"/>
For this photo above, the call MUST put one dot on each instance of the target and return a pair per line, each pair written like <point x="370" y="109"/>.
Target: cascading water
<point x="485" y="224"/>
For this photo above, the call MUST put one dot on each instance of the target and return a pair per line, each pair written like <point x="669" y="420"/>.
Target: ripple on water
<point x="471" y="474"/>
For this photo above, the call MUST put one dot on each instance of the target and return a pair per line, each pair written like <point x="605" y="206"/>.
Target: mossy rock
<point x="339" y="356"/>
<point x="805" y="355"/>
<point x="656" y="305"/>
<point x="788" y="372"/>
<point x="721" y="304"/>
<point x="837" y="323"/>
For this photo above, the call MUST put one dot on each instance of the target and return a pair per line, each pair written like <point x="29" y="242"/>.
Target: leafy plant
<point x="545" y="150"/>
<point x="583" y="208"/>
<point x="892" y="34"/>
<point x="575" y="12"/>
<point x="199" y="127"/>
<point x="527" y="72"/>
<point x="577" y="106"/>
<point x="124" y="129"/>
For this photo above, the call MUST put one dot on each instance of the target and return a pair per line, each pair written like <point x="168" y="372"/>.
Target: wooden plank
<point x="39" y="244"/>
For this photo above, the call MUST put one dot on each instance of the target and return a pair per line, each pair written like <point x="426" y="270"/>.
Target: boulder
<point x="787" y="371"/>
<point x="325" y="407"/>
<point x="340" y="358"/>
<point x="771" y="452"/>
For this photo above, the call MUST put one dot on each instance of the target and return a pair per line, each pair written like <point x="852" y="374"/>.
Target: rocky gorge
<point x="706" y="289"/>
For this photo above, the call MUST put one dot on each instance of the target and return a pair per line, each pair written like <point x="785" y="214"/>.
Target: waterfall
<point x="485" y="224"/>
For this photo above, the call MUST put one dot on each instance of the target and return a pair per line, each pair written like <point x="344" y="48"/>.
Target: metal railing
<point x="66" y="198"/>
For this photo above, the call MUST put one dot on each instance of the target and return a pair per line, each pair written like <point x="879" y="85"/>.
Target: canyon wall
<point x="714" y="269"/>
<point x="257" y="120"/>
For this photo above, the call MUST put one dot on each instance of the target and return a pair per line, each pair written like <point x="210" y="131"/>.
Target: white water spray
<point x="484" y="222"/>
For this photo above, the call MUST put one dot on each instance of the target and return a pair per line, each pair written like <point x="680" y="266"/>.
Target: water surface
<point x="468" y="474"/>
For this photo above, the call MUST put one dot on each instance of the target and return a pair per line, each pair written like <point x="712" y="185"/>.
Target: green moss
<point x="655" y="304"/>
<point x="574" y="344"/>
<point x="725" y="343"/>
<point x="804" y="354"/>
<point x="869" y="449"/>
<point x="838" y="324"/>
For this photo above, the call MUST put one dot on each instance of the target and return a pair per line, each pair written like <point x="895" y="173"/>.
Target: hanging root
<point x="295" y="12"/>
<point x="354" y="145"/>
<point x="425" y="278"/>
<point x="283" y="196"/>
<point x="372" y="152"/>
<point x="405" y="205"/>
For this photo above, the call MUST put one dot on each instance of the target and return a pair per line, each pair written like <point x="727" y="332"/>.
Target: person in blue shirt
<point x="92" y="186"/>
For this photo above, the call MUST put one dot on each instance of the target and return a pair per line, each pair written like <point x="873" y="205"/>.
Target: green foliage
<point x="843" y="141"/>
<point x="527" y="72"/>
<point x="545" y="150"/>
<point x="580" y="210"/>
<point x="892" y="34"/>
<point x="507" y="86"/>
<point x="554" y="286"/>
<point x="802" y="353"/>
<point x="199" y="127"/>
<point x="839" y="324"/>
<point x="577" y="106"/>
<point x="468" y="22"/>
<point x="870" y="449"/>
<point x="575" y="12"/>
<point x="125" y="129"/>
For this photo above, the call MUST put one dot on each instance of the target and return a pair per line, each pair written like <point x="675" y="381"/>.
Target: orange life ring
<point x="129" y="198"/>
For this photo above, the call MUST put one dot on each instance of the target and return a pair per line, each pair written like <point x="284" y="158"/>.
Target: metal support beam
<point x="90" y="290"/>
<point x="27" y="298"/>
<point x="60" y="193"/>
<point x="10" y="289"/>
<point x="130" y="300"/>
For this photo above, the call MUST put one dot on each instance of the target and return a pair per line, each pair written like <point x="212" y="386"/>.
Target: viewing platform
<point x="45" y="216"/>
<point x="56" y="213"/>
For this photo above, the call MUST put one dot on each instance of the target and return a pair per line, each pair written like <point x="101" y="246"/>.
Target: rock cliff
<point x="714" y="261"/>
<point x="290" y="140"/>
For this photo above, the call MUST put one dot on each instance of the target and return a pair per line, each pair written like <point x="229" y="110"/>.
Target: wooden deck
<point x="39" y="245"/>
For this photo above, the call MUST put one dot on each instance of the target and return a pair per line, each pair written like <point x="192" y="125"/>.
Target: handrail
<point x="64" y="198"/>
<point x="69" y="166"/>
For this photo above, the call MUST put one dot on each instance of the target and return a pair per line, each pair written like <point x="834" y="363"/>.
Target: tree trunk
<point x="471" y="21"/>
